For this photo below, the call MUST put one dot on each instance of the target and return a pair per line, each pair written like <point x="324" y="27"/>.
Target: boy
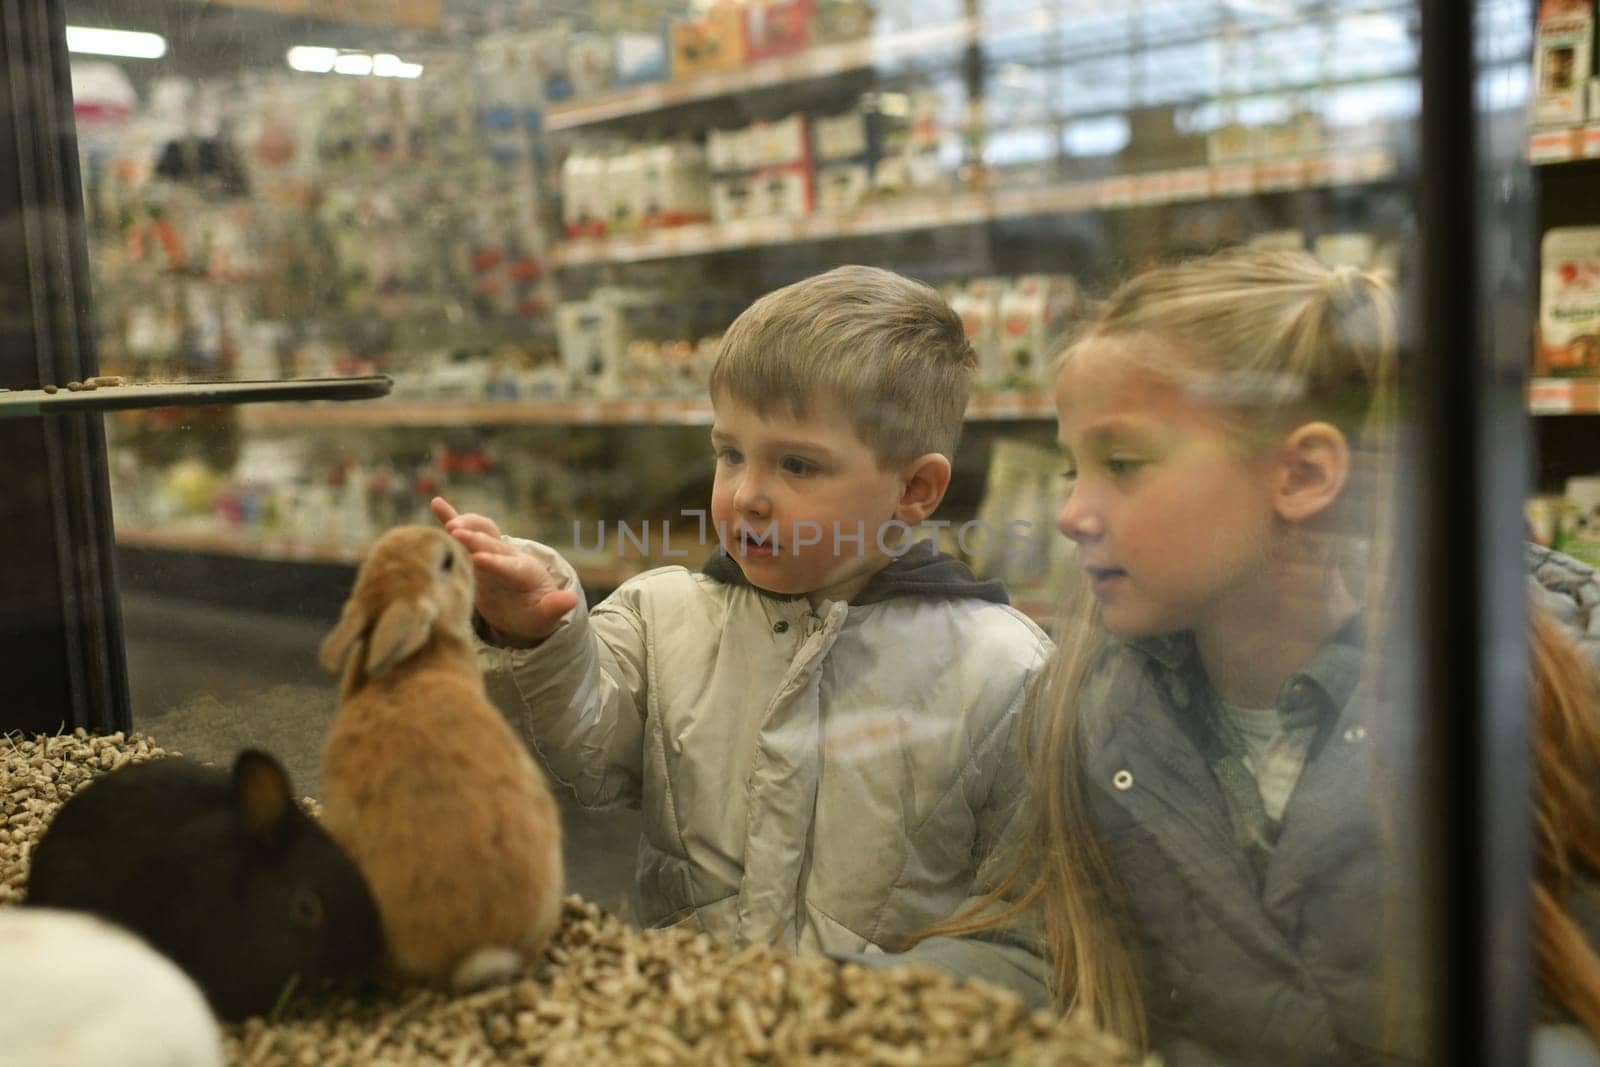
<point x="819" y="726"/>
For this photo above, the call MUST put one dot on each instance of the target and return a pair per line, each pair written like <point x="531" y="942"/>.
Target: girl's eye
<point x="796" y="465"/>
<point x="1122" y="465"/>
<point x="1070" y="475"/>
<point x="729" y="455"/>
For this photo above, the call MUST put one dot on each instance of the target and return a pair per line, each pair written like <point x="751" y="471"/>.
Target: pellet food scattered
<point x="604" y="992"/>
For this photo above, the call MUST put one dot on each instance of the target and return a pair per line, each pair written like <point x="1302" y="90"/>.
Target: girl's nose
<point x="1078" y="520"/>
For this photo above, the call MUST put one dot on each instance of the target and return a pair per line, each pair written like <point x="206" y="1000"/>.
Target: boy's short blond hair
<point x="888" y="350"/>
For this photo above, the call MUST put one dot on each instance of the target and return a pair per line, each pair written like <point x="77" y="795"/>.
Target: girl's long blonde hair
<point x="1273" y="339"/>
<point x="1566" y="768"/>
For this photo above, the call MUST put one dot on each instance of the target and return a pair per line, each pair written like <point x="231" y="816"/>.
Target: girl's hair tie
<point x="1344" y="288"/>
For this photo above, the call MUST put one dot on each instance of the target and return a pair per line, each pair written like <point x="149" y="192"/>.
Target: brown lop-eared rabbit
<point x="424" y="783"/>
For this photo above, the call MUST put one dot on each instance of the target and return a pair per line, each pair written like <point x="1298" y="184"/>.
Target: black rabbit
<point x="223" y="873"/>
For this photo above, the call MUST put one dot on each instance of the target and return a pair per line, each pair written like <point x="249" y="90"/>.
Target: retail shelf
<point x="607" y="574"/>
<point x="963" y="209"/>
<point x="994" y="407"/>
<point x="821" y="62"/>
<point x="1564" y="396"/>
<point x="604" y="575"/>
<point x="1564" y="144"/>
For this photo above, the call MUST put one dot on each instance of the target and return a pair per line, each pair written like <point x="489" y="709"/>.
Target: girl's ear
<point x="926" y="479"/>
<point x="1313" y="469"/>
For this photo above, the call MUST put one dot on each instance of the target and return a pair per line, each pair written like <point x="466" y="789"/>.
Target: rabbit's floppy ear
<point x="401" y="630"/>
<point x="342" y="638"/>
<point x="261" y="795"/>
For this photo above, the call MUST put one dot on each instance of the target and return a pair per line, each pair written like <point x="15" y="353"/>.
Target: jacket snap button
<point x="780" y="627"/>
<point x="1355" y="733"/>
<point x="1122" y="780"/>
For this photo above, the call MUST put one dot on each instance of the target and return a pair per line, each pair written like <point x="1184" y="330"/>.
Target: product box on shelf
<point x="673" y="187"/>
<point x="594" y="334"/>
<point x="591" y="62"/>
<point x="727" y="151"/>
<point x="1034" y="311"/>
<point x="640" y="58"/>
<point x="1569" y="303"/>
<point x="842" y="187"/>
<point x="732" y="199"/>
<point x="585" y="194"/>
<point x="978" y="304"/>
<point x="841" y="137"/>
<point x="839" y="21"/>
<point x="624" y="178"/>
<point x="777" y="27"/>
<point x="1563" y="61"/>
<point x="777" y="143"/>
<point x="782" y="192"/>
<point x="713" y="42"/>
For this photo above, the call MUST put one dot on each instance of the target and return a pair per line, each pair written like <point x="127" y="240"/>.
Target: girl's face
<point x="1173" y="519"/>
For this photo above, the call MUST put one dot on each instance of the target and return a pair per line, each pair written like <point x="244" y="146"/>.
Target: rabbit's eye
<point x="305" y="908"/>
<point x="448" y="562"/>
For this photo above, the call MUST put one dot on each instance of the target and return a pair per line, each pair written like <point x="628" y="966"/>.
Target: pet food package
<point x="1563" y="61"/>
<point x="1569" y="303"/>
<point x="1033" y="314"/>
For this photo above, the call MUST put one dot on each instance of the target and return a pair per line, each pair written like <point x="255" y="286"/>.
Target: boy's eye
<point x="796" y="465"/>
<point x="1118" y="466"/>
<point x="1070" y="475"/>
<point x="729" y="455"/>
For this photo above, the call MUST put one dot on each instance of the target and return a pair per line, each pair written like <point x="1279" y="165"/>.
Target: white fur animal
<point x="76" y="991"/>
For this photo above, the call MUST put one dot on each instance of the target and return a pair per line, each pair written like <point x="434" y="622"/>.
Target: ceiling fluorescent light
<point x="353" y="63"/>
<point x="312" y="59"/>
<point x="128" y="44"/>
<point x="385" y="65"/>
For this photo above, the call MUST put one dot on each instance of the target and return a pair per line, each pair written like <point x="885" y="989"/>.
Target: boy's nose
<point x="750" y="495"/>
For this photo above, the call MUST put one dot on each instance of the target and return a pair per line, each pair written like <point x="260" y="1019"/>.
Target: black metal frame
<point x="62" y="655"/>
<point x="1472" y="316"/>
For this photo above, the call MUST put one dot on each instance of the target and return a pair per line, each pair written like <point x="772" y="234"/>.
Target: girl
<point x="1202" y="852"/>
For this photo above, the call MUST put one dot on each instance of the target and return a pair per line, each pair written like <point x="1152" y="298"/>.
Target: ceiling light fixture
<point x="127" y="44"/>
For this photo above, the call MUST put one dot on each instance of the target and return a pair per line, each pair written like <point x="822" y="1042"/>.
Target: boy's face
<point x="792" y="495"/>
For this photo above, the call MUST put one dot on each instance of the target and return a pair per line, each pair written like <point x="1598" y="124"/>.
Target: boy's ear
<point x="926" y="479"/>
<point x="1313" y="469"/>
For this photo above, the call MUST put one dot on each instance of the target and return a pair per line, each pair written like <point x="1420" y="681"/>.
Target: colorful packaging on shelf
<point x="842" y="187"/>
<point x="727" y="150"/>
<point x="591" y="62"/>
<point x="713" y="42"/>
<point x="978" y="304"/>
<point x="594" y="334"/>
<point x="838" y="21"/>
<point x="777" y="28"/>
<point x="732" y="199"/>
<point x="1563" y="61"/>
<point x="782" y="192"/>
<point x="1034" y="311"/>
<point x="624" y="175"/>
<point x="1569" y="302"/>
<point x="640" y="58"/>
<point x="585" y="194"/>
<point x="778" y="143"/>
<point x="841" y="137"/>
<point x="673" y="188"/>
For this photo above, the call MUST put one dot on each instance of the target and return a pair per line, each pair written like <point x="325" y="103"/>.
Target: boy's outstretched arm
<point x="521" y="600"/>
<point x="572" y="684"/>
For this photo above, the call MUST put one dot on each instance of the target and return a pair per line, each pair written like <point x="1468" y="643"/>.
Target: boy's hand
<point x="516" y="596"/>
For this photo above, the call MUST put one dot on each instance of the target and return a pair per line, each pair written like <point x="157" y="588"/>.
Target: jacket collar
<point x="921" y="570"/>
<point x="1329" y="679"/>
